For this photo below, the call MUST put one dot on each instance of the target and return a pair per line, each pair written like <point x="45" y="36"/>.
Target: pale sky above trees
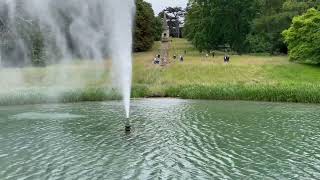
<point x="159" y="5"/>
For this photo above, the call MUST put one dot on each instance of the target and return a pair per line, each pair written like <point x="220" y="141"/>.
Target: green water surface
<point x="171" y="139"/>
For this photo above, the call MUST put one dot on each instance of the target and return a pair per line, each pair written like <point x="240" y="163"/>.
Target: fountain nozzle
<point x="127" y="126"/>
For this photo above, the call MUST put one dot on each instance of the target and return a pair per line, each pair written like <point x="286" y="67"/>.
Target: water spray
<point x="93" y="29"/>
<point x="121" y="51"/>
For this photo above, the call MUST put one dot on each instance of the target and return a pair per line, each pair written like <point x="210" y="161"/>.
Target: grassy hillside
<point x="247" y="77"/>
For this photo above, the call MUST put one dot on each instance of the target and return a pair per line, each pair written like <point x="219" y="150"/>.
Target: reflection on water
<point x="171" y="139"/>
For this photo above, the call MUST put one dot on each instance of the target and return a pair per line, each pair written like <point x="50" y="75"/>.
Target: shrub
<point x="303" y="38"/>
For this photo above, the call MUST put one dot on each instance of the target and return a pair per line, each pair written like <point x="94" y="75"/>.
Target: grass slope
<point x="247" y="77"/>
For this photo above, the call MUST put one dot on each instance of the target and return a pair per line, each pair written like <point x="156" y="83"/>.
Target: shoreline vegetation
<point x="247" y="77"/>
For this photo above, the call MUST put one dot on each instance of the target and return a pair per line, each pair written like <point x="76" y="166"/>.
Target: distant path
<point x="165" y="55"/>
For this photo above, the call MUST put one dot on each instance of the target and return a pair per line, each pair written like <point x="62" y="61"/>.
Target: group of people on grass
<point x="157" y="59"/>
<point x="181" y="58"/>
<point x="226" y="58"/>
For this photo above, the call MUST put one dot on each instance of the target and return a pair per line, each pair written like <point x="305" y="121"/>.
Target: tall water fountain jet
<point x="121" y="47"/>
<point x="71" y="29"/>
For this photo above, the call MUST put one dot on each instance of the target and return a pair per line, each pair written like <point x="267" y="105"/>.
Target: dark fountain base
<point x="128" y="128"/>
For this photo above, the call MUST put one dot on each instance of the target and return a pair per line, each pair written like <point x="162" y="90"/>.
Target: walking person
<point x="181" y="58"/>
<point x="226" y="58"/>
<point x="156" y="60"/>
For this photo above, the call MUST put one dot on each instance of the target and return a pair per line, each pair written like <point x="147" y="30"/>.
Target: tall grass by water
<point x="247" y="77"/>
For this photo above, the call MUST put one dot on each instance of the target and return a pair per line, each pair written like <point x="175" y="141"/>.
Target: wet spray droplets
<point x="121" y="39"/>
<point x="92" y="29"/>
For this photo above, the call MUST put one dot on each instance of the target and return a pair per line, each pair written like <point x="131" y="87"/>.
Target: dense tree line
<point x="211" y="24"/>
<point x="274" y="16"/>
<point x="243" y="25"/>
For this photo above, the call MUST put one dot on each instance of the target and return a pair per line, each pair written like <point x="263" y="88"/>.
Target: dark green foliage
<point x="259" y="43"/>
<point x="268" y="30"/>
<point x="303" y="38"/>
<point x="211" y="24"/>
<point x="246" y="26"/>
<point x="139" y="91"/>
<point x="274" y="16"/>
<point x="144" y="33"/>
<point x="157" y="28"/>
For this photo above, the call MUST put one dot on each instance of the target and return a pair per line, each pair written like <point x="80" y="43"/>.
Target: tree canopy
<point x="273" y="17"/>
<point x="303" y="38"/>
<point x="242" y="25"/>
<point x="212" y="23"/>
<point x="148" y="28"/>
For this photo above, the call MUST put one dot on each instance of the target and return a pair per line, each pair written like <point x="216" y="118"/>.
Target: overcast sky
<point x="159" y="5"/>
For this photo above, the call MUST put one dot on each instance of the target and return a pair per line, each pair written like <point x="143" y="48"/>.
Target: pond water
<point x="171" y="139"/>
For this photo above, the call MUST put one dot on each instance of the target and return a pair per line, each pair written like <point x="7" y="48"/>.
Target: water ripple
<point x="171" y="139"/>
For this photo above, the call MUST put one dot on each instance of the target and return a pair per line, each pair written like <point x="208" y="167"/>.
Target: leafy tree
<point x="214" y="23"/>
<point x="157" y="28"/>
<point x="266" y="29"/>
<point x="299" y="6"/>
<point x="274" y="17"/>
<point x="144" y="32"/>
<point x="303" y="38"/>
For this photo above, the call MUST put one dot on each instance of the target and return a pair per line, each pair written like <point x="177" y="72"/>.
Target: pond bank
<point x="270" y="93"/>
<point x="247" y="77"/>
